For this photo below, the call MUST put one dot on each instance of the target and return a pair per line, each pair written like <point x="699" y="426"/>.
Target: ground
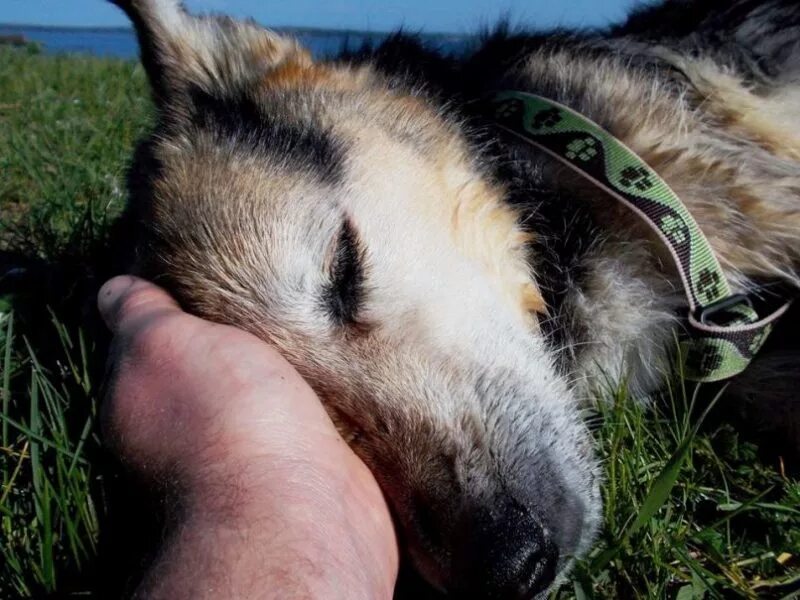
<point x="692" y="508"/>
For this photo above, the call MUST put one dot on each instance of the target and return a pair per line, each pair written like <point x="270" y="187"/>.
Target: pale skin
<point x="270" y="501"/>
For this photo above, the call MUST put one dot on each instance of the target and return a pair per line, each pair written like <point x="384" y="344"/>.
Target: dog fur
<point x="455" y="296"/>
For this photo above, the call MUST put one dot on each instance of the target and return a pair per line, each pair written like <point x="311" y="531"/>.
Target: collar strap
<point x="723" y="330"/>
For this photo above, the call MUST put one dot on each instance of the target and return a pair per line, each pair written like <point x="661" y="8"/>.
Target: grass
<point x="690" y="511"/>
<point x="67" y="127"/>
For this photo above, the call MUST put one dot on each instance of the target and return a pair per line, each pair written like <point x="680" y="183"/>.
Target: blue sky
<point x="458" y="16"/>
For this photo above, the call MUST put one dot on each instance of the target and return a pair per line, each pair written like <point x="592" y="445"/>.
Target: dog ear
<point x="215" y="54"/>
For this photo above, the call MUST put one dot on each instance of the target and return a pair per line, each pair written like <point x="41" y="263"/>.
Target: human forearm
<point x="300" y="545"/>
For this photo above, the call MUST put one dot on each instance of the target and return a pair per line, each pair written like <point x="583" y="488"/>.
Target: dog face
<point x="347" y="222"/>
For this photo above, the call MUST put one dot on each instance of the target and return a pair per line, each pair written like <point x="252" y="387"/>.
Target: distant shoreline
<point x="297" y="30"/>
<point x="120" y="42"/>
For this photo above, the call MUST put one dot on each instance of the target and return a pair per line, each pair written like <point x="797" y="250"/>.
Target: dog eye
<point x="344" y="293"/>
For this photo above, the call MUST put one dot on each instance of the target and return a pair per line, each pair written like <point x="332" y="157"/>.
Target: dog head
<point x="347" y="221"/>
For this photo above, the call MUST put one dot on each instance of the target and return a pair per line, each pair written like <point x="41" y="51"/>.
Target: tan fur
<point x="769" y="119"/>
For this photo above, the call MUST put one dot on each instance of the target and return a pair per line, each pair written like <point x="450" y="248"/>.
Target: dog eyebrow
<point x="305" y="145"/>
<point x="345" y="293"/>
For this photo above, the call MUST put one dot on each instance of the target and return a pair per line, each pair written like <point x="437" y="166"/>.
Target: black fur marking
<point x="407" y="61"/>
<point x="240" y="118"/>
<point x="682" y="18"/>
<point x="344" y="295"/>
<point x="757" y="36"/>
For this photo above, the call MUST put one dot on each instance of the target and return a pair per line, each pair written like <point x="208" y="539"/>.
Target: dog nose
<point x="504" y="553"/>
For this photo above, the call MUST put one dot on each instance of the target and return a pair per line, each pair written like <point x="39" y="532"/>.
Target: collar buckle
<point x="723" y="306"/>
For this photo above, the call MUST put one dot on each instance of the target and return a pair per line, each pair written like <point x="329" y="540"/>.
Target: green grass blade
<point x="8" y="335"/>
<point x="662" y="486"/>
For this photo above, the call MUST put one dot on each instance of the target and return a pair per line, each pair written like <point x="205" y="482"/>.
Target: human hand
<point x="272" y="501"/>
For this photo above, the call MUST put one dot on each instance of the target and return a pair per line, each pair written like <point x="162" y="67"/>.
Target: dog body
<point x="453" y="295"/>
<point x="713" y="109"/>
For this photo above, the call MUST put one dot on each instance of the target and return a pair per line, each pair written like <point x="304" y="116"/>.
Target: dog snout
<point x="505" y="553"/>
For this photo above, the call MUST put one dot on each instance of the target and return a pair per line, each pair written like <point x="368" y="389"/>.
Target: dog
<point x="454" y="294"/>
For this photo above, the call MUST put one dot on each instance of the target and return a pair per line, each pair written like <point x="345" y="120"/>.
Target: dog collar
<point x="723" y="330"/>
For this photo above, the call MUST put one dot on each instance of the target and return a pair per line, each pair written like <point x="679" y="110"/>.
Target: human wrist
<point x="318" y="533"/>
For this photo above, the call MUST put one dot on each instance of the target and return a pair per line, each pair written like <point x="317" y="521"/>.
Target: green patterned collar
<point x="723" y="331"/>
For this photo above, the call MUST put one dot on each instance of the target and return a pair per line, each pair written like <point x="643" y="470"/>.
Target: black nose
<point x="504" y="553"/>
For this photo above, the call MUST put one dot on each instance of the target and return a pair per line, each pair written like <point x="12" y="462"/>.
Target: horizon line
<point x="286" y="28"/>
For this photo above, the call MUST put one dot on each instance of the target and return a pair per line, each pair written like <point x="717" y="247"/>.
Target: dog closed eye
<point x="344" y="294"/>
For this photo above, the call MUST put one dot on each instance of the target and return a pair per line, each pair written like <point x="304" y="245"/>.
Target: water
<point x="121" y="43"/>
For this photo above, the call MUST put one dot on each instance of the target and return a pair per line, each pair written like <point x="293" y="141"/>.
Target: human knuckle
<point x="135" y="299"/>
<point x="154" y="341"/>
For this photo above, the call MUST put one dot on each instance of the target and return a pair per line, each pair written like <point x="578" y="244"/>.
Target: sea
<point x="121" y="42"/>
